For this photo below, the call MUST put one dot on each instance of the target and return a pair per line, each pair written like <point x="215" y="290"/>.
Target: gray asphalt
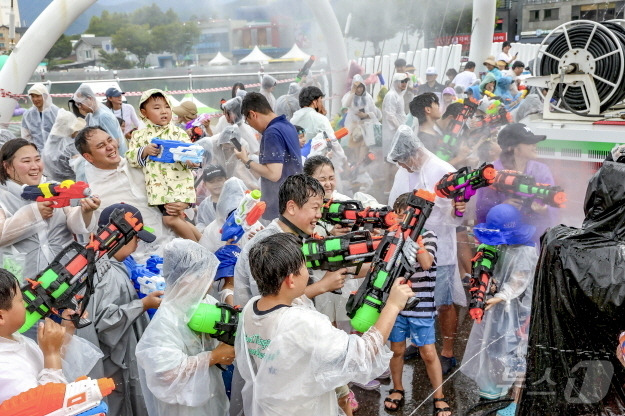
<point x="461" y="391"/>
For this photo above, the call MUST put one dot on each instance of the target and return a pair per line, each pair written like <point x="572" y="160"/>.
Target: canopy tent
<point x="255" y="56"/>
<point x="219" y="59"/>
<point x="201" y="107"/>
<point x="296" y="54"/>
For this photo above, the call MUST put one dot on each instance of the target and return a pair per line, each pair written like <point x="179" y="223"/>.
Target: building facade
<point x="540" y="17"/>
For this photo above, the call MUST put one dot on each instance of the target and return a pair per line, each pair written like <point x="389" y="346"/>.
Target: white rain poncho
<point x="532" y="104"/>
<point x="36" y="125"/>
<point x="231" y="195"/>
<point x="288" y="103"/>
<point x="266" y="88"/>
<point x="5" y="136"/>
<point x="173" y="357"/>
<point x="60" y="148"/>
<point x="100" y="115"/>
<point x="427" y="170"/>
<point x="292" y="359"/>
<point x="233" y="108"/>
<point x="393" y="114"/>
<point x="223" y="155"/>
<point x="495" y="353"/>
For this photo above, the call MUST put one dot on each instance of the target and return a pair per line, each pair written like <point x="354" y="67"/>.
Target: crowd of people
<point x="295" y="350"/>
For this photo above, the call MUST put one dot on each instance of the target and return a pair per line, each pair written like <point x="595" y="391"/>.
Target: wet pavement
<point x="461" y="391"/>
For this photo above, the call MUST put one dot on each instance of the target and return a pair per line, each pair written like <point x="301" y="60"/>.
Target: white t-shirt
<point x="465" y="79"/>
<point x="505" y="57"/>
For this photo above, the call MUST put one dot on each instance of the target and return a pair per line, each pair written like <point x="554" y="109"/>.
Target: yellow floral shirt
<point x="164" y="182"/>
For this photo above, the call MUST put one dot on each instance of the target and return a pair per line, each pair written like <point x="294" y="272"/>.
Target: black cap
<point x="143" y="234"/>
<point x="517" y="133"/>
<point x="212" y="172"/>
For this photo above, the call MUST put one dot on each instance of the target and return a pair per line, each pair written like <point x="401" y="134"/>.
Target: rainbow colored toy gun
<point x="388" y="264"/>
<point x="482" y="267"/>
<point x="219" y="321"/>
<point x="173" y="151"/>
<point x="525" y="186"/>
<point x="351" y="213"/>
<point x="58" y="285"/>
<point x="59" y="193"/>
<point x="462" y="184"/>
<point x="198" y="121"/>
<point x="80" y="398"/>
<point x="241" y="220"/>
<point x="334" y="253"/>
<point x="449" y="143"/>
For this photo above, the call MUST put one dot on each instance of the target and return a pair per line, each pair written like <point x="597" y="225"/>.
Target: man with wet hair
<point x="427" y="110"/>
<point x="280" y="154"/>
<point x="300" y="202"/>
<point x="286" y="348"/>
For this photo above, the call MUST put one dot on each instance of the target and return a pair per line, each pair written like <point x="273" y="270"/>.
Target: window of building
<point x="534" y="15"/>
<point x="551" y="14"/>
<point x="1" y="35"/>
<point x="1" y="45"/>
<point x="88" y="54"/>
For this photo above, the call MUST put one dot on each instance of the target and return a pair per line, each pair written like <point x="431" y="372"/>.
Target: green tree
<point x="153" y="16"/>
<point x="107" y="23"/>
<point x="61" y="49"/>
<point x="115" y="60"/>
<point x="176" y="38"/>
<point x="135" y="39"/>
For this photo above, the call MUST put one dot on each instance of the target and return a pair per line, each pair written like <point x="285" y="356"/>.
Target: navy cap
<point x="143" y="234"/>
<point x="517" y="133"/>
<point x="113" y="92"/>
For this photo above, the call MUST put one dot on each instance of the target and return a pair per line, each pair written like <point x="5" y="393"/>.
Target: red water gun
<point x="59" y="193"/>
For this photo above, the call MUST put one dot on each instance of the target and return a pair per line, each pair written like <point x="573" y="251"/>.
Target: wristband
<point x="247" y="164"/>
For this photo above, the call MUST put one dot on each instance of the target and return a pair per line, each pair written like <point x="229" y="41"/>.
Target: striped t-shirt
<point x="423" y="282"/>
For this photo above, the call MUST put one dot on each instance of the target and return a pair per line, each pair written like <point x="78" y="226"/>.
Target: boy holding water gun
<point x="165" y="182"/>
<point x="283" y="322"/>
<point x="119" y="320"/>
<point x="24" y="364"/>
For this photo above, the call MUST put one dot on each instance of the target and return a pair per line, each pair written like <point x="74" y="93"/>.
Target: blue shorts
<point x="442" y="288"/>
<point x="420" y="330"/>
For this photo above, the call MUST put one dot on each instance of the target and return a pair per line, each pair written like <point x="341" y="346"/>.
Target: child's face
<point x="302" y="139"/>
<point x="215" y="185"/>
<point x="306" y="217"/>
<point x="12" y="319"/>
<point x="127" y="250"/>
<point x="301" y="280"/>
<point x="325" y="175"/>
<point x="157" y="111"/>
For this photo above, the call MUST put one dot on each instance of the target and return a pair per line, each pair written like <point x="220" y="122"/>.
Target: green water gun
<point x="219" y="321"/>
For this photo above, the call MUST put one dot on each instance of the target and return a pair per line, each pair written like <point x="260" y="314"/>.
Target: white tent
<point x="255" y="56"/>
<point x="219" y="59"/>
<point x="296" y="54"/>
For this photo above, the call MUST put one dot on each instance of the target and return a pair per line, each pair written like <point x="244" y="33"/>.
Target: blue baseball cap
<point x="227" y="256"/>
<point x="504" y="225"/>
<point x="113" y="92"/>
<point x="145" y="233"/>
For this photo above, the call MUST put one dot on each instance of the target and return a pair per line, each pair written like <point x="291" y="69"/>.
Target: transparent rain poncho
<point x="231" y="195"/>
<point x="288" y="103"/>
<point x="266" y="89"/>
<point x="5" y="136"/>
<point x="173" y="357"/>
<point x="495" y="353"/>
<point x="36" y="125"/>
<point x="426" y="171"/>
<point x="100" y="115"/>
<point x="304" y="359"/>
<point x="393" y="112"/>
<point x="223" y="154"/>
<point x="233" y="108"/>
<point x="60" y="148"/>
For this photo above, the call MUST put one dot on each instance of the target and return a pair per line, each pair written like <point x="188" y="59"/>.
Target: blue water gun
<point x="146" y="278"/>
<point x="173" y="151"/>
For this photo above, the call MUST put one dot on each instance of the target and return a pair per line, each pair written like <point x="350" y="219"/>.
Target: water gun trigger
<point x="256" y="213"/>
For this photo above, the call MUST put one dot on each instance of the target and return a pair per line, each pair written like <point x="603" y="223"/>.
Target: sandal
<point x="397" y="402"/>
<point x="438" y="410"/>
